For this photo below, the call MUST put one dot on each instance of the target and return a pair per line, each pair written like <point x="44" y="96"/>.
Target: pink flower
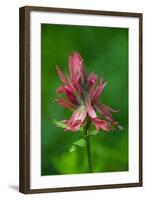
<point x="82" y="96"/>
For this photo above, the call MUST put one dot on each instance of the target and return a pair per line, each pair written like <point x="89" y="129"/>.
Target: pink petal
<point x="78" y="64"/>
<point x="109" y="108"/>
<point x="74" y="127"/>
<point x="69" y="93"/>
<point x="90" y="110"/>
<point x="65" y="103"/>
<point x="100" y="124"/>
<point x="98" y="91"/>
<point x="77" y="119"/>
<point x="60" y="90"/>
<point x="92" y="79"/>
<point x="61" y="75"/>
<point x="76" y="71"/>
<point x="70" y="65"/>
<point x="79" y="114"/>
<point x="91" y="91"/>
<point x="72" y="87"/>
<point x="75" y="66"/>
<point x="105" y="111"/>
<point x="71" y="96"/>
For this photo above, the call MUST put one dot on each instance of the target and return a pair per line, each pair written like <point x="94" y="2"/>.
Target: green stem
<point x="88" y="148"/>
<point x="89" y="154"/>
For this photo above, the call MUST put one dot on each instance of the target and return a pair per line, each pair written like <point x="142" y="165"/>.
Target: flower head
<point x="82" y="96"/>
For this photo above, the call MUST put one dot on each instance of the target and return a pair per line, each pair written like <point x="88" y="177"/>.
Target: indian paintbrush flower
<point x="82" y="96"/>
<point x="82" y="92"/>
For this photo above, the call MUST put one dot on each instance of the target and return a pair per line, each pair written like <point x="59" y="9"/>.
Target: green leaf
<point x="59" y="124"/>
<point x="81" y="142"/>
<point x="120" y="128"/>
<point x="94" y="132"/>
<point x="73" y="148"/>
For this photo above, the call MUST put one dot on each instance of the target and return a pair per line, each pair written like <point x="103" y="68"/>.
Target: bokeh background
<point x="105" y="51"/>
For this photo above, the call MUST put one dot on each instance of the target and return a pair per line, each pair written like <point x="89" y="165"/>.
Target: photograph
<point x="84" y="99"/>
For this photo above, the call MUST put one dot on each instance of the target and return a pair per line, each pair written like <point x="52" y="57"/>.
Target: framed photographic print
<point x="80" y="99"/>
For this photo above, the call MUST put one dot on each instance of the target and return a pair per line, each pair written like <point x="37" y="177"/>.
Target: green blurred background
<point x="105" y="51"/>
